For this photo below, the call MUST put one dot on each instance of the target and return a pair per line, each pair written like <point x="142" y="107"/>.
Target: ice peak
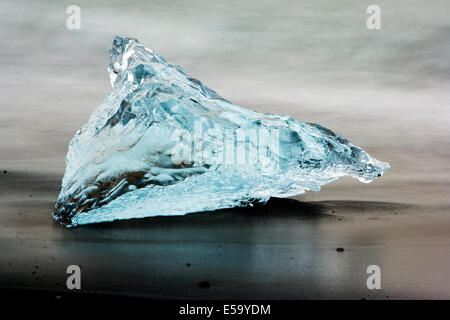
<point x="124" y="56"/>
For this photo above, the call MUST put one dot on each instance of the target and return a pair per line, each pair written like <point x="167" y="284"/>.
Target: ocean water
<point x="385" y="90"/>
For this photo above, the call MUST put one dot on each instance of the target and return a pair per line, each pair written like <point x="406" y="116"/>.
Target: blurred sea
<point x="385" y="90"/>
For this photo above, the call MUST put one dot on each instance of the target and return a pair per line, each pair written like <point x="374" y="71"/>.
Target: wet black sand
<point x="284" y="250"/>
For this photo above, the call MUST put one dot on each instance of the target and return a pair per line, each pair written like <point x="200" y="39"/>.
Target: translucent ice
<point x="162" y="143"/>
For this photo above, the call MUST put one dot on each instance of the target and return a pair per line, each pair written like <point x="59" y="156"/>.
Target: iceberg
<point x="162" y="143"/>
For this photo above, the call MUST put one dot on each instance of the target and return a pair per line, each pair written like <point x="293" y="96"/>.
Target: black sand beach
<point x="284" y="250"/>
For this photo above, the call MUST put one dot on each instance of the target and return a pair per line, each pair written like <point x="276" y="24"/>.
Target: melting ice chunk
<point x="162" y="143"/>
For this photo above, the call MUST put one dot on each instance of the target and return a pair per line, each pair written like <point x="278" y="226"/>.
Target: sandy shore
<point x="285" y="250"/>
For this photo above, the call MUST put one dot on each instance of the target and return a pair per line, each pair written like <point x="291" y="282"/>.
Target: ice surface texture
<point x="162" y="143"/>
